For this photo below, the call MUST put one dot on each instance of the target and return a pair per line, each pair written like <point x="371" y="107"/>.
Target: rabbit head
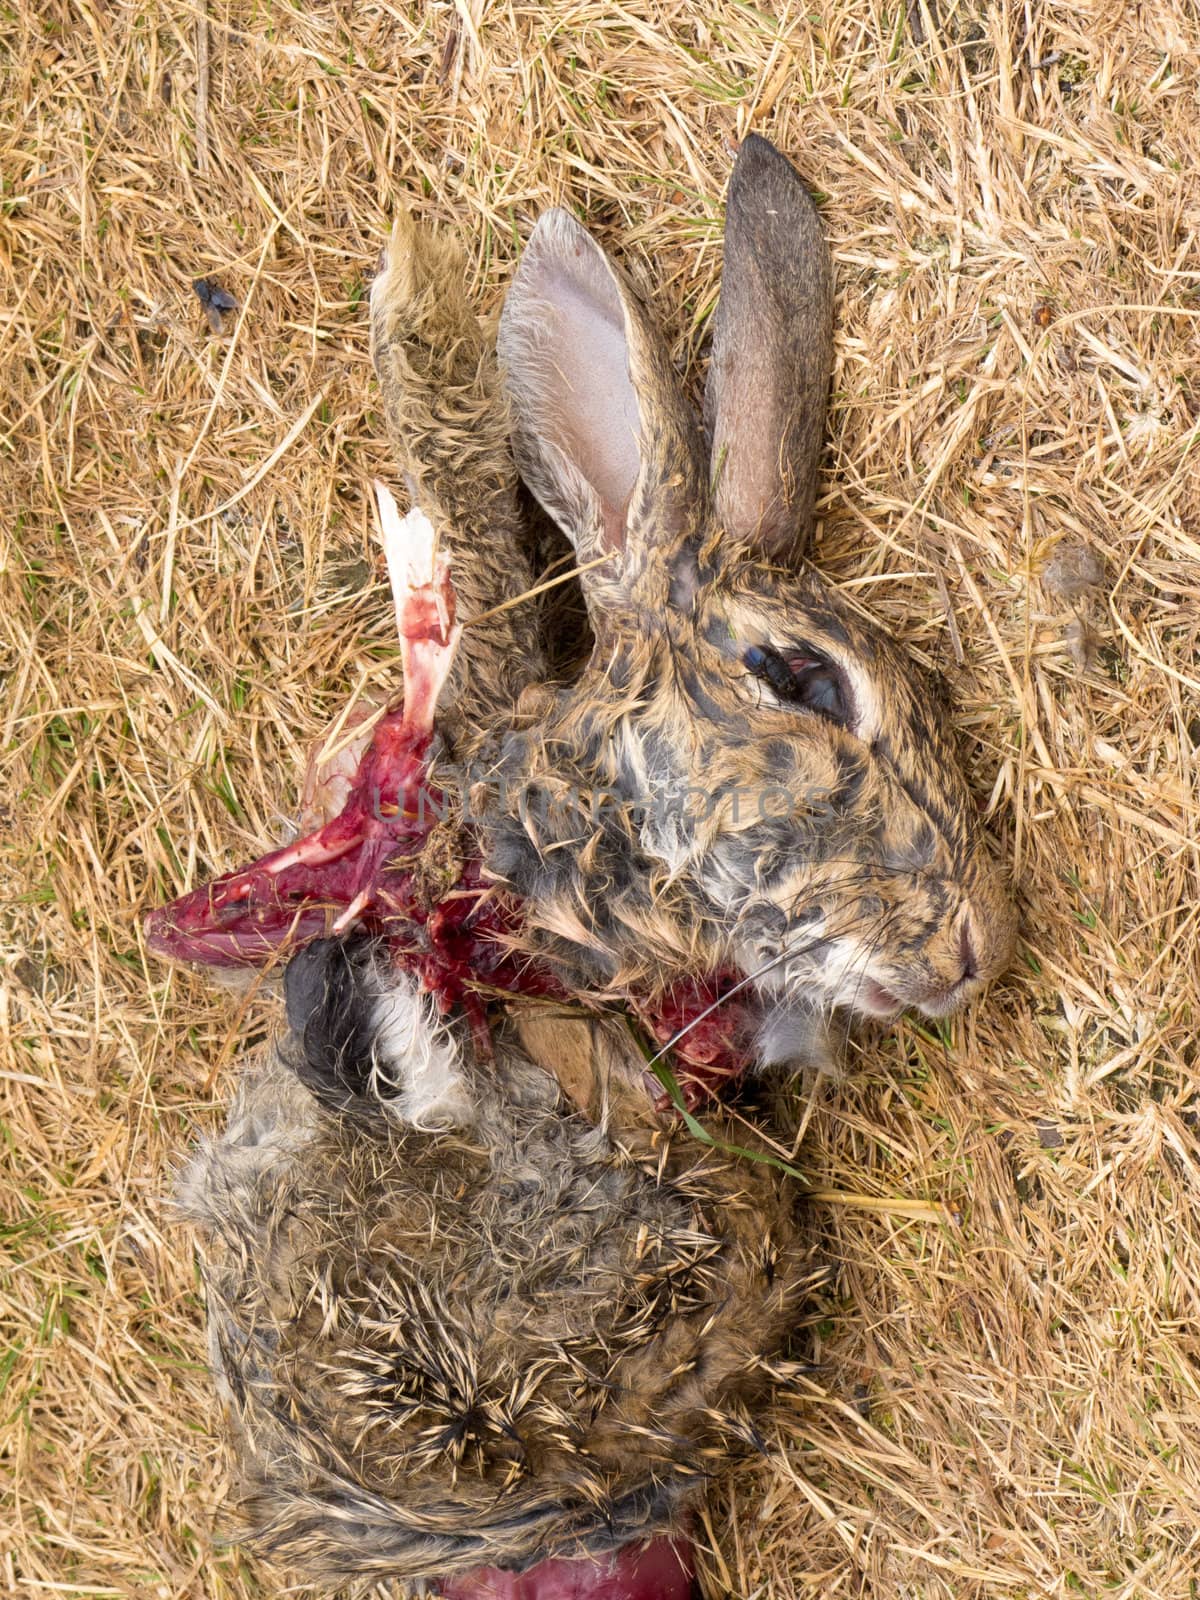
<point x="748" y="773"/>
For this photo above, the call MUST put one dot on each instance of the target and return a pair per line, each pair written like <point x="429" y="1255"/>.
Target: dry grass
<point x="1009" y="1406"/>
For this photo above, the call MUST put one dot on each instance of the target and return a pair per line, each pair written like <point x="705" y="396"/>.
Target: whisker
<point x="864" y="872"/>
<point x="716" y="1005"/>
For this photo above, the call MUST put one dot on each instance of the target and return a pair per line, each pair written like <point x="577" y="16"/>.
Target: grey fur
<point x="443" y="1350"/>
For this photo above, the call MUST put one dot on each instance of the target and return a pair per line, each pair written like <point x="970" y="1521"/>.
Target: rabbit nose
<point x="967" y="955"/>
<point x="987" y="935"/>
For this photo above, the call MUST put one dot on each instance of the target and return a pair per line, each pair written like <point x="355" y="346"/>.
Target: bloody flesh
<point x="659" y="1570"/>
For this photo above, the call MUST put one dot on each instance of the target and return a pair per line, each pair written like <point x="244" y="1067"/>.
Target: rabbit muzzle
<point x="858" y="938"/>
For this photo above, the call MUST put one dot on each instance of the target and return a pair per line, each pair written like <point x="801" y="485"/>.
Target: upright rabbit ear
<point x="602" y="433"/>
<point x="772" y="351"/>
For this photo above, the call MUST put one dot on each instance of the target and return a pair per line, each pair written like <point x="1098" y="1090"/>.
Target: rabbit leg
<point x="449" y="422"/>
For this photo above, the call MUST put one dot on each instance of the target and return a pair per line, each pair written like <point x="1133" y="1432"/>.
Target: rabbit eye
<point x="804" y="679"/>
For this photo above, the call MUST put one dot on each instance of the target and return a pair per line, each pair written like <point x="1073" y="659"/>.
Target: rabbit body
<point x="474" y="1310"/>
<point x="531" y="1333"/>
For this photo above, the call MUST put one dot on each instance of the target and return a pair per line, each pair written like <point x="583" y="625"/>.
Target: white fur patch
<point x="419" y="1076"/>
<point x="794" y="1035"/>
<point x="848" y="977"/>
<point x="868" y="720"/>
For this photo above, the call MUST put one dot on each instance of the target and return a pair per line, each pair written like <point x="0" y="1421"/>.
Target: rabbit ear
<point x="772" y="351"/>
<point x="601" y="431"/>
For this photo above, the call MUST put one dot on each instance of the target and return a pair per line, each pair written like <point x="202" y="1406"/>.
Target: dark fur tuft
<point x="331" y="993"/>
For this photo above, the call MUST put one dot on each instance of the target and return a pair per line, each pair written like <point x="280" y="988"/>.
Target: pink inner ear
<point x="564" y="346"/>
<point x="594" y="406"/>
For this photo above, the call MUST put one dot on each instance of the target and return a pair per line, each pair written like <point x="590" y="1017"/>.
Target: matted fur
<point x="449" y="423"/>
<point x="537" y="1336"/>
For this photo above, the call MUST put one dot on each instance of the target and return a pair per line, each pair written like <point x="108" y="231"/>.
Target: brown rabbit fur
<point x="455" y="1321"/>
<point x="449" y="424"/>
<point x="535" y="1336"/>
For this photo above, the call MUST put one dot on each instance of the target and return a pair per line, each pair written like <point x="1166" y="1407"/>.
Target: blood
<point x="659" y="1570"/>
<point x="363" y="868"/>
